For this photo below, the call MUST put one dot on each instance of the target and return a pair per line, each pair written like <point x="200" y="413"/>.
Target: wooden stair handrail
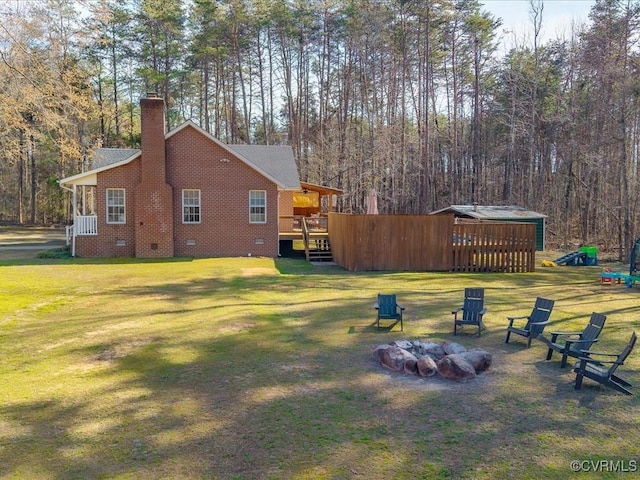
<point x="305" y="237"/>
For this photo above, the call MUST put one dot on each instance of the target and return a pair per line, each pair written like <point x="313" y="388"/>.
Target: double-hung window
<point x="116" y="212"/>
<point x="190" y="206"/>
<point x="257" y="206"/>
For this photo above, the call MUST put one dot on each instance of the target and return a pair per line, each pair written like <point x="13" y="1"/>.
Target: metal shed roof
<point x="492" y="212"/>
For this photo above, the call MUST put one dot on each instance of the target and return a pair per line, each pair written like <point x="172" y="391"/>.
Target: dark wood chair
<point x="571" y="344"/>
<point x="388" y="309"/>
<point x="472" y="310"/>
<point x="592" y="368"/>
<point x="536" y="321"/>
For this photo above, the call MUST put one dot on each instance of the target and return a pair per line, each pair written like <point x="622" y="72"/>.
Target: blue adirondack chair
<point x="590" y="367"/>
<point x="536" y="321"/>
<point x="387" y="308"/>
<point x="472" y="310"/>
<point x="571" y="344"/>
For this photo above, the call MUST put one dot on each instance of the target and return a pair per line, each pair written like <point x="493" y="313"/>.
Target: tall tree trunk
<point x="21" y="182"/>
<point x="34" y="177"/>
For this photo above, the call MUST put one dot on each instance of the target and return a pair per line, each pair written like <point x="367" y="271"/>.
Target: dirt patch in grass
<point x="237" y="327"/>
<point x="122" y="349"/>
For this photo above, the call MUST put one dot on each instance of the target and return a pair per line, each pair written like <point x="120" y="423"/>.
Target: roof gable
<point x="273" y="162"/>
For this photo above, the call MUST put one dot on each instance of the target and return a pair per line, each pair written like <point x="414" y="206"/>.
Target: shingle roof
<point x="103" y="157"/>
<point x="277" y="161"/>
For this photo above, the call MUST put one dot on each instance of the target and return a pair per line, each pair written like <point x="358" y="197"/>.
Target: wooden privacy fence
<point x="391" y="242"/>
<point x="494" y="247"/>
<point x="430" y="243"/>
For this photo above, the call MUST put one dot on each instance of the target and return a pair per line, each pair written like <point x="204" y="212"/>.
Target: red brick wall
<point x="154" y="197"/>
<point x="87" y="246"/>
<point x="153" y="220"/>
<point x="195" y="162"/>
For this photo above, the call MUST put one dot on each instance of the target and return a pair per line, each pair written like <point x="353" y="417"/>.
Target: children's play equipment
<point x="583" y="256"/>
<point x="609" y="277"/>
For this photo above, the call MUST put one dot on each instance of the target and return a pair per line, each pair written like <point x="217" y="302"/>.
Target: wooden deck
<point x="291" y="235"/>
<point x="297" y="235"/>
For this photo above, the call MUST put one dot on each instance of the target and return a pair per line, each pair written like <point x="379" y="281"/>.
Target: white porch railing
<point x="69" y="233"/>
<point x="85" y="225"/>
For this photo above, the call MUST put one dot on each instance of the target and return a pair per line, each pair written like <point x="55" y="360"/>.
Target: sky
<point x="557" y="18"/>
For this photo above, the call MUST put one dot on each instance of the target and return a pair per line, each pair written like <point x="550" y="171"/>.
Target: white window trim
<point x="199" y="206"/>
<point x="124" y="206"/>
<point x="261" y="222"/>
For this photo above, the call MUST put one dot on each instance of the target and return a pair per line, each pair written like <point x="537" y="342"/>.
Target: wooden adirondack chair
<point x="388" y="309"/>
<point x="571" y="344"/>
<point x="472" y="310"/>
<point x="536" y="321"/>
<point x="594" y="369"/>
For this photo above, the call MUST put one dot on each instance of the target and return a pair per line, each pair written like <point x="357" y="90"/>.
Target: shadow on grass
<point x="270" y="376"/>
<point x="239" y="410"/>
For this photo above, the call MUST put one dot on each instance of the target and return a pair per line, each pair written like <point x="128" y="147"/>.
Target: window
<point x="190" y="206"/>
<point x="116" y="205"/>
<point x="257" y="206"/>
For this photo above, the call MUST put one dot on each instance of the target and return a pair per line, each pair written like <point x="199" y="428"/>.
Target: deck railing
<point x="317" y="224"/>
<point x="293" y="223"/>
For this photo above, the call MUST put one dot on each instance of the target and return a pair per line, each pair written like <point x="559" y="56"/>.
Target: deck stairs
<point x="317" y="246"/>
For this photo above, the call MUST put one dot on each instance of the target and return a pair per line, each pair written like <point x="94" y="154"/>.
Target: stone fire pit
<point x="446" y="359"/>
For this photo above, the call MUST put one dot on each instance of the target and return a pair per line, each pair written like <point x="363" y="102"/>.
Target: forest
<point x="413" y="98"/>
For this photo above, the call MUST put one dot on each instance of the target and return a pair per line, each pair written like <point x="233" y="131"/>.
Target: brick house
<point x="184" y="193"/>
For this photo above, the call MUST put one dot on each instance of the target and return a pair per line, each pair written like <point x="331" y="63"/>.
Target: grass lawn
<point x="260" y="369"/>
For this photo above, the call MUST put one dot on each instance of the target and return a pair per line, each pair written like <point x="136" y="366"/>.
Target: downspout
<point x="73" y="236"/>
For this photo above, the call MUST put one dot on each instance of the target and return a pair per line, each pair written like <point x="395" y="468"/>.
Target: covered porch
<point x="308" y="227"/>
<point x="311" y="205"/>
<point x="85" y="218"/>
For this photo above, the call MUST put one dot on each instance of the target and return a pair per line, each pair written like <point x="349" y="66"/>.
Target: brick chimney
<point x="153" y="196"/>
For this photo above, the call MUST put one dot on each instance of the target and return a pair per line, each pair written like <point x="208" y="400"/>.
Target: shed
<point x="493" y="213"/>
